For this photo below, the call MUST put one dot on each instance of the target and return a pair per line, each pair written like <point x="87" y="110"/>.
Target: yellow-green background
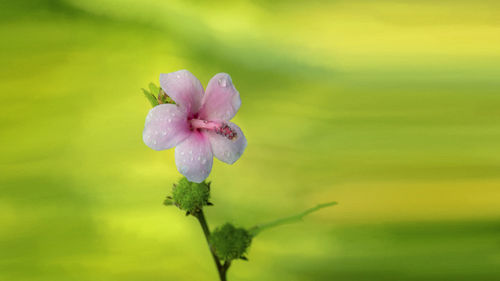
<point x="391" y="108"/>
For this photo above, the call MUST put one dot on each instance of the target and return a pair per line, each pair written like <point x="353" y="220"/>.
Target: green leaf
<point x="258" y="228"/>
<point x="151" y="98"/>
<point x="155" y="90"/>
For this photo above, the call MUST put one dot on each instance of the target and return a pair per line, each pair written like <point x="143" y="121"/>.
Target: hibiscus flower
<point x="197" y="125"/>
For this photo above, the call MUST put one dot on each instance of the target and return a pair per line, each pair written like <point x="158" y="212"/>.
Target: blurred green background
<point x="391" y="108"/>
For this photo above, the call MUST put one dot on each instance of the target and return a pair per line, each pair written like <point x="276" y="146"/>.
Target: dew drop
<point x="169" y="120"/>
<point x="164" y="133"/>
<point x="222" y="82"/>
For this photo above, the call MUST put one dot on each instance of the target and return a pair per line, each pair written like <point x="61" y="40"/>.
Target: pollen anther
<point x="219" y="128"/>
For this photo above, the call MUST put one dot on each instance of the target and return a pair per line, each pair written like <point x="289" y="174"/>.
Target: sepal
<point x="189" y="196"/>
<point x="230" y="242"/>
<point x="156" y="95"/>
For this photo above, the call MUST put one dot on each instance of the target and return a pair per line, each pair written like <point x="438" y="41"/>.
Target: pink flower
<point x="198" y="124"/>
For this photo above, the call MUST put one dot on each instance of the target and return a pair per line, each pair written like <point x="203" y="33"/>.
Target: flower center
<point x="219" y="128"/>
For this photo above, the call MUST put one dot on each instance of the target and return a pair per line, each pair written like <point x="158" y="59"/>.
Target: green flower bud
<point x="230" y="242"/>
<point x="190" y="196"/>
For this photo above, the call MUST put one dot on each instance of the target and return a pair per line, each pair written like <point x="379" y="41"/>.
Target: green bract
<point x="156" y="95"/>
<point x="230" y="242"/>
<point x="190" y="196"/>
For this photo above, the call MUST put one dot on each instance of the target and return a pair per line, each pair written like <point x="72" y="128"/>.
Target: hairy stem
<point x="221" y="268"/>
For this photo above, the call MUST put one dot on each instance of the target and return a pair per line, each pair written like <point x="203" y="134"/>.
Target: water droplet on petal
<point x="164" y="133"/>
<point x="169" y="120"/>
<point x="192" y="158"/>
<point x="182" y="152"/>
<point x="222" y="82"/>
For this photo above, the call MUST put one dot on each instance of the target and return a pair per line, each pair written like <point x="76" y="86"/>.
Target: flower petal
<point x="227" y="150"/>
<point x="193" y="157"/>
<point x="221" y="100"/>
<point x="166" y="126"/>
<point x="185" y="89"/>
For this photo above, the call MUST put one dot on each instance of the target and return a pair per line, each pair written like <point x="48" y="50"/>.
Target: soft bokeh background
<point x="391" y="108"/>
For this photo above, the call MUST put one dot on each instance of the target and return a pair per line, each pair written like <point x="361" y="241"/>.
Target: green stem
<point x="258" y="228"/>
<point x="221" y="268"/>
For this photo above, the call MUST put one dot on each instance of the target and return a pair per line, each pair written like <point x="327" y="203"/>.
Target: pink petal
<point x="221" y="100"/>
<point x="185" y="89"/>
<point x="193" y="157"/>
<point x="166" y="126"/>
<point x="227" y="150"/>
